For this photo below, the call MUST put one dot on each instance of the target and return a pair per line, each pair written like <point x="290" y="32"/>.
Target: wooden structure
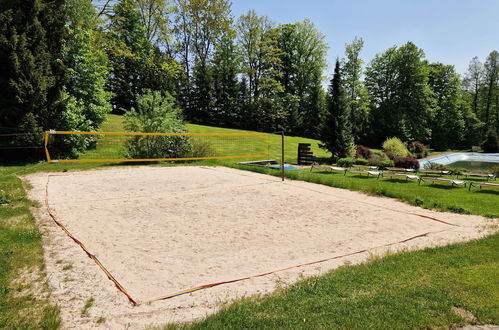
<point x="305" y="155"/>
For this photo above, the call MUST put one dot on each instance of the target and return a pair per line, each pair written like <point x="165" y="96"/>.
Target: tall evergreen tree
<point x="336" y="134"/>
<point x="32" y="75"/>
<point x="32" y="71"/>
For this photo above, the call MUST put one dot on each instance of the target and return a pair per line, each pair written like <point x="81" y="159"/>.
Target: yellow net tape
<point x="144" y="147"/>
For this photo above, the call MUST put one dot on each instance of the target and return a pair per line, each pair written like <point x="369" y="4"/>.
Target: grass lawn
<point x="415" y="289"/>
<point x="23" y="293"/>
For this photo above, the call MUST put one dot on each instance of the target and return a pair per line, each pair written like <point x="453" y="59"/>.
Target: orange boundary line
<point x="211" y="285"/>
<point x="84" y="248"/>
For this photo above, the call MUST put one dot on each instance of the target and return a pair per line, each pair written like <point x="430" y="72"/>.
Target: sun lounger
<point x="439" y="172"/>
<point x="483" y="185"/>
<point x="329" y="168"/>
<point x="400" y="169"/>
<point x="488" y="176"/>
<point x="442" y="180"/>
<point x="400" y="175"/>
<point x="365" y="167"/>
<point x="377" y="174"/>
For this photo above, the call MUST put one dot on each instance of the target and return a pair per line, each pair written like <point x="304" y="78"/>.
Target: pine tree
<point x="32" y="73"/>
<point x="337" y="130"/>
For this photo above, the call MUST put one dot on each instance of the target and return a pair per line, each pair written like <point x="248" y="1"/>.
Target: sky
<point x="449" y="31"/>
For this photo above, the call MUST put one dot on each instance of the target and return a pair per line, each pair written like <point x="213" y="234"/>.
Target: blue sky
<point x="449" y="31"/>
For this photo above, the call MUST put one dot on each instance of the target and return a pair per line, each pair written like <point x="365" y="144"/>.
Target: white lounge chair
<point x="442" y="180"/>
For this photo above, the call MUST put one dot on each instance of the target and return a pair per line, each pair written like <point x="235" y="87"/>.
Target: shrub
<point x="156" y="114"/>
<point x="361" y="161"/>
<point x="201" y="149"/>
<point x="387" y="163"/>
<point x="362" y="152"/>
<point x="418" y="149"/>
<point x="394" y="148"/>
<point x="407" y="162"/>
<point x="491" y="143"/>
<point x="345" y="162"/>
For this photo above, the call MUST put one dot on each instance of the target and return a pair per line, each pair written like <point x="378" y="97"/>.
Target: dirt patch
<point x="159" y="230"/>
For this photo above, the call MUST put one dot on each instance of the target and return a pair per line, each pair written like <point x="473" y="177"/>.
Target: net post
<point x="45" y="143"/>
<point x="282" y="155"/>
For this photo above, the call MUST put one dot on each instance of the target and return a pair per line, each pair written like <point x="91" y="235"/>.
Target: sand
<point x="159" y="230"/>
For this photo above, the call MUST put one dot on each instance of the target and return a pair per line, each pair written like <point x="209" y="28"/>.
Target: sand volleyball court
<point x="161" y="230"/>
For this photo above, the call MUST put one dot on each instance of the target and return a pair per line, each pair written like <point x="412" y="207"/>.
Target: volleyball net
<point x="144" y="147"/>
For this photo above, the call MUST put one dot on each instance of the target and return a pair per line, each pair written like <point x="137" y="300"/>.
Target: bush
<point x="394" y="148"/>
<point x="201" y="149"/>
<point x="362" y="152"/>
<point x="387" y="163"/>
<point x="407" y="162"/>
<point x="345" y="162"/>
<point x="418" y="149"/>
<point x="491" y="143"/>
<point x="361" y="161"/>
<point x="156" y="114"/>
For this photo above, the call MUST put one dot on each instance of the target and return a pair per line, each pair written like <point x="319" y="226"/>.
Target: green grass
<point x="22" y="280"/>
<point x="411" y="290"/>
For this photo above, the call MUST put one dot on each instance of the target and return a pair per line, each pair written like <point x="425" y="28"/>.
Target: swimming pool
<point x="285" y="167"/>
<point x="469" y="160"/>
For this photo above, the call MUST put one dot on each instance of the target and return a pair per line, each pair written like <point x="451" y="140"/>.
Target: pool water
<point x="287" y="168"/>
<point x="475" y="166"/>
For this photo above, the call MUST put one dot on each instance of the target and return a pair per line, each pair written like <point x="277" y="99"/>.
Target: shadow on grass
<point x="394" y="180"/>
<point x="440" y="186"/>
<point x="486" y="191"/>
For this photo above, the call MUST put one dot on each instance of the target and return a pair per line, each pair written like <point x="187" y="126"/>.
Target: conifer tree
<point x="337" y="130"/>
<point x="32" y="73"/>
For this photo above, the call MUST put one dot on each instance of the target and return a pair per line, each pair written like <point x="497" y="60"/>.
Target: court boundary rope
<point x="211" y="285"/>
<point x="84" y="248"/>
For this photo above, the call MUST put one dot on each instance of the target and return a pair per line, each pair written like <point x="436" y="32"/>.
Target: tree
<point x="87" y="64"/>
<point x="227" y="104"/>
<point x="473" y="81"/>
<point x="198" y="24"/>
<point x="136" y="63"/>
<point x="336" y="134"/>
<point x="401" y="103"/>
<point x="303" y="52"/>
<point x="355" y="90"/>
<point x="156" y="113"/>
<point x="491" y="91"/>
<point x="448" y="123"/>
<point x="33" y="74"/>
